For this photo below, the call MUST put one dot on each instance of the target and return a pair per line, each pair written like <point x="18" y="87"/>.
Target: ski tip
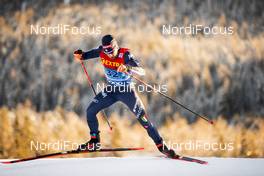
<point x="203" y="162"/>
<point x="6" y="162"/>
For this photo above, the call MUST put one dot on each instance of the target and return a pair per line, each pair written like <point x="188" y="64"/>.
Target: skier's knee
<point x="90" y="111"/>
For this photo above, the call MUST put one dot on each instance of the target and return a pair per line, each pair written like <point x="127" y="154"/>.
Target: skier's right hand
<point x="78" y="55"/>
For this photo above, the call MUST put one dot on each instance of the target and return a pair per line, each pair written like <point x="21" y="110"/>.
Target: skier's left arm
<point x="133" y="64"/>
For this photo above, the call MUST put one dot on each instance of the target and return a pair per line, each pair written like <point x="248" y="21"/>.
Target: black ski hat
<point x="107" y="39"/>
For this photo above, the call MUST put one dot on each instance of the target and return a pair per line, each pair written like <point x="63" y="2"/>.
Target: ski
<point x="71" y="152"/>
<point x="189" y="159"/>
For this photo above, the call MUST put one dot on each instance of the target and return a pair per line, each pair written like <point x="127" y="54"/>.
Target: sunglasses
<point x="108" y="49"/>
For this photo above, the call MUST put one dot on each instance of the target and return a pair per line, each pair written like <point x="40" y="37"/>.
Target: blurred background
<point x="44" y="93"/>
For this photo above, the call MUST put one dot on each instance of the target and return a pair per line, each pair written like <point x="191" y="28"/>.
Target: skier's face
<point x="111" y="50"/>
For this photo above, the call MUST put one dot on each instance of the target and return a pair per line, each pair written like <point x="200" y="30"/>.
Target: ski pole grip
<point x="79" y="51"/>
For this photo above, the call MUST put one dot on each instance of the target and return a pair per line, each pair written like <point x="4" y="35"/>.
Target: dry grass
<point x="22" y="125"/>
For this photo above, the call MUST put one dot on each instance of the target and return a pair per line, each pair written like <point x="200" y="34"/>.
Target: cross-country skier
<point x="117" y="63"/>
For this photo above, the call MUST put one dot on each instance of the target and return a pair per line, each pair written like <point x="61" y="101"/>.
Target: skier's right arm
<point x="93" y="53"/>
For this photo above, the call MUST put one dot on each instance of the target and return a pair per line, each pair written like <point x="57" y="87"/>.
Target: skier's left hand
<point x="122" y="68"/>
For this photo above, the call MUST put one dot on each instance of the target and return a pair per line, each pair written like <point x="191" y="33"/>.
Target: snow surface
<point x="134" y="166"/>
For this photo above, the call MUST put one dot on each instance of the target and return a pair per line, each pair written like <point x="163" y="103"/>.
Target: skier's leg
<point x="136" y="106"/>
<point x="101" y="100"/>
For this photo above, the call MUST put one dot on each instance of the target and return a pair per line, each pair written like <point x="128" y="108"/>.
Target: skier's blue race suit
<point x="116" y="79"/>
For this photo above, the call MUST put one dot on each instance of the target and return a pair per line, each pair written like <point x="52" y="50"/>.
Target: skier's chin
<point x="111" y="56"/>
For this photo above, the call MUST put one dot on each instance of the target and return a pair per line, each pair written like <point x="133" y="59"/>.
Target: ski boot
<point x="166" y="151"/>
<point x="92" y="145"/>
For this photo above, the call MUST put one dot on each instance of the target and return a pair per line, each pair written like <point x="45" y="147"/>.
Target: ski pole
<point x="91" y="84"/>
<point x="174" y="101"/>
